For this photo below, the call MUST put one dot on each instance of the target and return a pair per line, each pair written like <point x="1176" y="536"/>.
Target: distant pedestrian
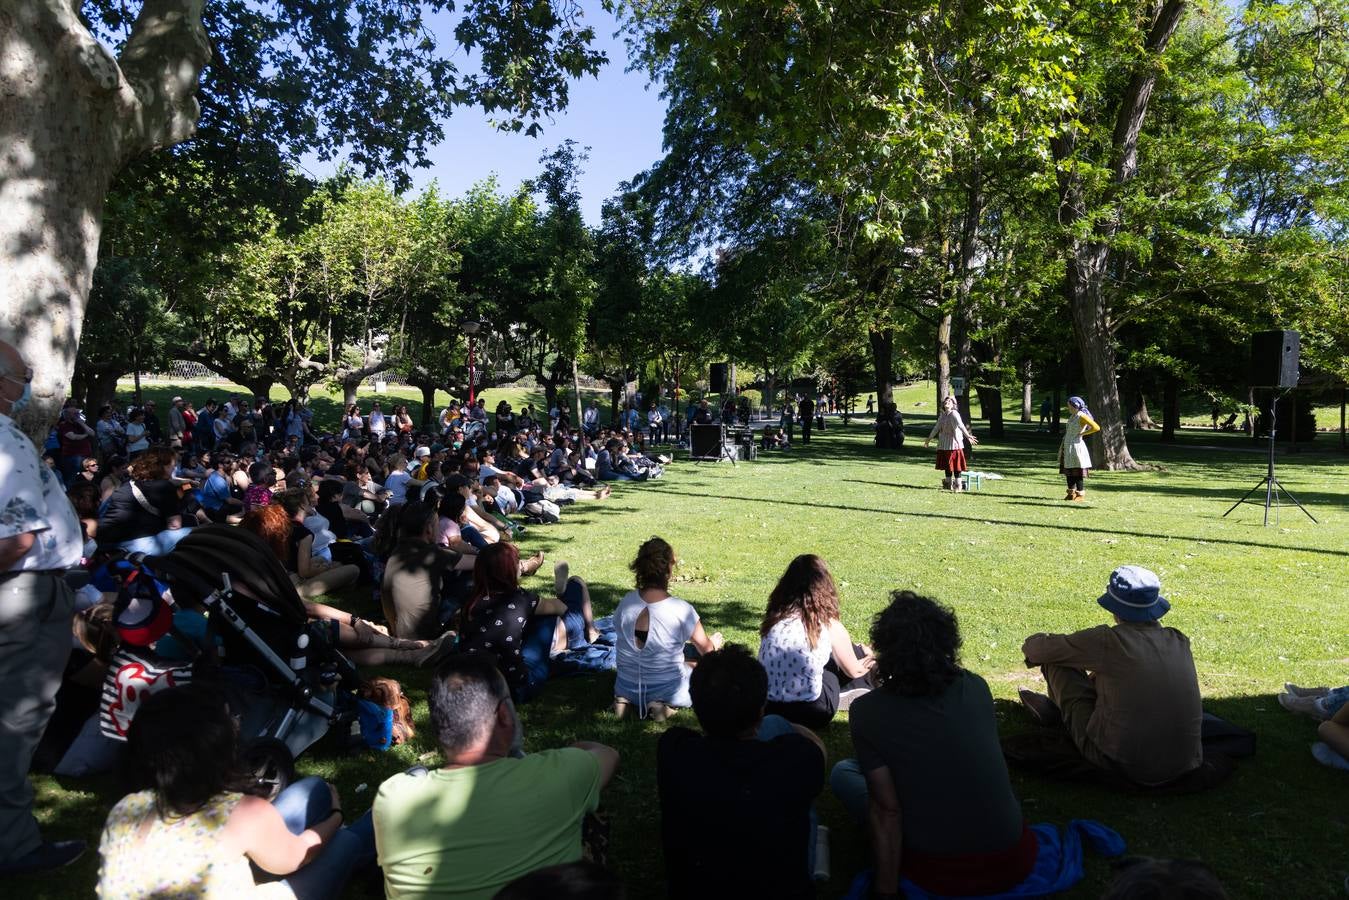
<point x="805" y="412"/>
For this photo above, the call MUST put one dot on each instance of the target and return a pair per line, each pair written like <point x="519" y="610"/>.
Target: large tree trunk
<point x="1091" y="322"/>
<point x="1088" y="258"/>
<point x="1170" y="409"/>
<point x="943" y="360"/>
<point x="70" y="117"/>
<point x="260" y="385"/>
<point x="428" y="389"/>
<point x="1027" y="398"/>
<point x="576" y="394"/>
<point x="990" y="402"/>
<point x="883" y="361"/>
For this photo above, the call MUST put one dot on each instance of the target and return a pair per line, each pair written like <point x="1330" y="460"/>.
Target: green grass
<point x="1261" y="605"/>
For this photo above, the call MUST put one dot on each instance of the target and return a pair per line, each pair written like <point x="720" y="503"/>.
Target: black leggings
<point x="1075" y="482"/>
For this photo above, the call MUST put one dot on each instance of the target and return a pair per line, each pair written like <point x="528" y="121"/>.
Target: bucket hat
<point x="1135" y="595"/>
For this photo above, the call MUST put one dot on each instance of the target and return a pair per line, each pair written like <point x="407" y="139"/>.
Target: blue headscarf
<point x="1080" y="405"/>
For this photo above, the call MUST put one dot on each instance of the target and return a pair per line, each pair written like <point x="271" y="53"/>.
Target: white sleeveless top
<point x="795" y="669"/>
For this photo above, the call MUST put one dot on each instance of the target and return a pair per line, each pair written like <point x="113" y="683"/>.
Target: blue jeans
<point x="537" y="643"/>
<point x="156" y="544"/>
<point x="473" y="536"/>
<point x="850" y="787"/>
<point x="303" y="805"/>
<point x="1331" y="702"/>
<point x="776" y="726"/>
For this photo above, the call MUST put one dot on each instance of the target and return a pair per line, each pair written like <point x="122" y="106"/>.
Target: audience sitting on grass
<point x="807" y="650"/>
<point x="736" y="800"/>
<point x="518" y="629"/>
<point x="1330" y="707"/>
<point x="654" y="628"/>
<point x="313" y="575"/>
<point x="191" y="828"/>
<point x="144" y="514"/>
<point x="489" y="814"/>
<point x="414" y="574"/>
<point x="1128" y="693"/>
<point x="929" y="782"/>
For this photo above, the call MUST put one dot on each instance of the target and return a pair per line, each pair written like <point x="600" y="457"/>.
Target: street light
<point x="472" y="328"/>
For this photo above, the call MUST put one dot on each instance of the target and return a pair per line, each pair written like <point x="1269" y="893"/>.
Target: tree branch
<point x="162" y="61"/>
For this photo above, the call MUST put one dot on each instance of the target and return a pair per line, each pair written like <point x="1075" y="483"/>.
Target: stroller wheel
<point x="270" y="764"/>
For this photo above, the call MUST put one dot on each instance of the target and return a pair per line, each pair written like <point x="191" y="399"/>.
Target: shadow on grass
<point x="987" y="521"/>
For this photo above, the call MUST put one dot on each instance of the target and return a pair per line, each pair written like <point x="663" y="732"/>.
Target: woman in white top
<point x="652" y="629"/>
<point x="814" y="668"/>
<point x="951" y="434"/>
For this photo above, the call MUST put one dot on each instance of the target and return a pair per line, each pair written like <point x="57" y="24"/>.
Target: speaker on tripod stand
<point x="1274" y="365"/>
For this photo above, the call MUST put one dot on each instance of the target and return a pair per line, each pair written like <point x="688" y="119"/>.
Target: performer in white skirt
<point x="1074" y="460"/>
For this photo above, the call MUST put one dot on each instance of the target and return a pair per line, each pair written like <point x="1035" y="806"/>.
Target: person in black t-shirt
<point x="144" y="514"/>
<point x="736" y="817"/>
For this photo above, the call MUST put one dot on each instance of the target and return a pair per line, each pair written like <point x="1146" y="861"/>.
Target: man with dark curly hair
<point x="929" y="781"/>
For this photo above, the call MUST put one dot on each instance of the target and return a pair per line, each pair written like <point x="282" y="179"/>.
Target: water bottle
<point x="821" y="853"/>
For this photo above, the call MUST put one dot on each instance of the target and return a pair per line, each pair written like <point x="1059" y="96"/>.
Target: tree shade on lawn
<point x="1261" y="606"/>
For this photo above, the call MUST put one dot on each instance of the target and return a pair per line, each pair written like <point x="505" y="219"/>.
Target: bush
<point x="754" y="397"/>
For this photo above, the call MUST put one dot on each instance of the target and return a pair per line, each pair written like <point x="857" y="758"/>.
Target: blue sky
<point x="618" y="115"/>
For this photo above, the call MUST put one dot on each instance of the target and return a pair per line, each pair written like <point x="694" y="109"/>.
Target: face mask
<point x="21" y="404"/>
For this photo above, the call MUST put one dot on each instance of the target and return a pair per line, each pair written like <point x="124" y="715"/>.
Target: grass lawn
<point x="1261" y="605"/>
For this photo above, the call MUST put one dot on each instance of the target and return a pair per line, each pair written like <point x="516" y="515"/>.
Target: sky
<point x="617" y="115"/>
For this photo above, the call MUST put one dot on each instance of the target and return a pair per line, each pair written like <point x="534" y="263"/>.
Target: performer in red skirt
<point x="951" y="434"/>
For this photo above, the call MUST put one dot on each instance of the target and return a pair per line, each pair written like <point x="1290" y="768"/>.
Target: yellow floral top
<point x="145" y="856"/>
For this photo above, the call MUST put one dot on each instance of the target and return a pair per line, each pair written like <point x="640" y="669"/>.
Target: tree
<point x="73" y="113"/>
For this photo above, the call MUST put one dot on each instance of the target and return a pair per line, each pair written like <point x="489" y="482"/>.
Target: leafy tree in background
<point x="327" y="77"/>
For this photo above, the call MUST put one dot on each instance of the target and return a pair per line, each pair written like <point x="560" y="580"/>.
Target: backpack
<point x="545" y="512"/>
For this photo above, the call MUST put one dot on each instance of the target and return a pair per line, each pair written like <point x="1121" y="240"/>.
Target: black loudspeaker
<point x="705" y="441"/>
<point x="1274" y="359"/>
<point x="718" y="379"/>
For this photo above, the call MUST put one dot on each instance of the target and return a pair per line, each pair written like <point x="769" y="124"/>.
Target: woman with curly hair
<point x="653" y="627"/>
<point x="807" y="650"/>
<point x="929" y="779"/>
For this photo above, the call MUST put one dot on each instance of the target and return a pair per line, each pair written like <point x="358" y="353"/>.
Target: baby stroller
<point x="282" y="671"/>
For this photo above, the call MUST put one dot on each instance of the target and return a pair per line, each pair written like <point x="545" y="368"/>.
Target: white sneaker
<point x="846" y="698"/>
<point x="1328" y="757"/>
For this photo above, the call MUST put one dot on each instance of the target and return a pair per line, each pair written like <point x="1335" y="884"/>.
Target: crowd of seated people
<point x="431" y="521"/>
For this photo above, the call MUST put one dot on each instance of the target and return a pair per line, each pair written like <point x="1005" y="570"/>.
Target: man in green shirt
<point x="486" y="817"/>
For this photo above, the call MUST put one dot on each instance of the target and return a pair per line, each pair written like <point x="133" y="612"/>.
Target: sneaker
<point x="44" y="858"/>
<point x="561" y="574"/>
<point x="1042" y="709"/>
<point x="1296" y="691"/>
<point x="1328" y="757"/>
<point x="846" y="698"/>
<point x="1307" y="706"/>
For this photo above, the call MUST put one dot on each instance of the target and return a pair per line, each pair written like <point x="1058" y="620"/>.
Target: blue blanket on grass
<point x="1058" y="865"/>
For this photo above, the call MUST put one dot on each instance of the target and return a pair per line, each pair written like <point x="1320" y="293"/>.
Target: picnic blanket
<point x="1058" y="863"/>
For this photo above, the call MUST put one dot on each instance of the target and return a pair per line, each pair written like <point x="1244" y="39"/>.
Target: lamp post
<point x="472" y="328"/>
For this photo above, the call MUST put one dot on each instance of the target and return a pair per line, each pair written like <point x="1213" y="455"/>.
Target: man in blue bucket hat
<point x="1127" y="693"/>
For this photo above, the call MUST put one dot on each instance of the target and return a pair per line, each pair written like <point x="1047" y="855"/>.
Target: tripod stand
<point x="1271" y="481"/>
